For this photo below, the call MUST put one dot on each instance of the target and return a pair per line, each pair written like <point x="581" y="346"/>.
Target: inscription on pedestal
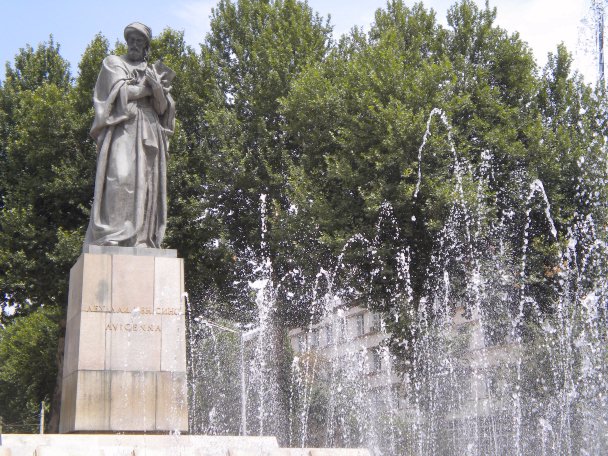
<point x="133" y="327"/>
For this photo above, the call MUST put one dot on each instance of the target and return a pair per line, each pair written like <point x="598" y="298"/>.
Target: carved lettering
<point x="133" y="327"/>
<point x="167" y="311"/>
<point x="123" y="310"/>
<point x="95" y="308"/>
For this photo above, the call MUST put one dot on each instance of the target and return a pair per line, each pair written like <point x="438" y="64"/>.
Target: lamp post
<point x="598" y="9"/>
<point x="243" y="337"/>
<point x="42" y="417"/>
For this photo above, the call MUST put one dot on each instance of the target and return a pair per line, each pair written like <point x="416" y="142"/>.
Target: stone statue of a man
<point x="134" y="117"/>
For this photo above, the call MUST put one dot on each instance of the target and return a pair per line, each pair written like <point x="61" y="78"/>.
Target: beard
<point x="136" y="53"/>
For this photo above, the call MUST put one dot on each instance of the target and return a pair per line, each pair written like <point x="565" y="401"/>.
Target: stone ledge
<point x="133" y="251"/>
<point x="156" y="445"/>
<point x="128" y="444"/>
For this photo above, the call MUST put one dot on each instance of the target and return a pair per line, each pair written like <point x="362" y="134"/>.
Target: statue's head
<point x="137" y="36"/>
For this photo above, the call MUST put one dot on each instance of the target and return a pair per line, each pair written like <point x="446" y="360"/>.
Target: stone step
<point x="45" y="450"/>
<point x="156" y="445"/>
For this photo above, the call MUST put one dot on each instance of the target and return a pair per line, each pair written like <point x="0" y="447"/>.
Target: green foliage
<point x="358" y="120"/>
<point x="34" y="68"/>
<point x="235" y="145"/>
<point x="46" y="166"/>
<point x="28" y="368"/>
<point x="38" y="142"/>
<point x="332" y="133"/>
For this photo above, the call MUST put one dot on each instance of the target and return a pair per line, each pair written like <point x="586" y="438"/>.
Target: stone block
<point x="134" y="342"/>
<point x="171" y="397"/>
<point x="133" y="251"/>
<point x="132" y="283"/>
<point x="75" y="291"/>
<point x="68" y="402"/>
<point x="72" y="345"/>
<point x="96" y="284"/>
<point x="46" y="450"/>
<point x="127" y="444"/>
<point x="133" y="401"/>
<point x="93" y="400"/>
<point x="166" y="452"/>
<point x="173" y="343"/>
<point x="91" y="353"/>
<point x="85" y="403"/>
<point x="168" y="286"/>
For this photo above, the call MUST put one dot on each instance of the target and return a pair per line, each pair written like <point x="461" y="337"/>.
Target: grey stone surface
<point x="338" y="452"/>
<point x="134" y="118"/>
<point x="125" y="445"/>
<point x="125" y="346"/>
<point x="163" y="452"/>
<point x="132" y="284"/>
<point x="159" y="445"/>
<point x="133" y="401"/>
<point x="172" y="406"/>
<point x="138" y="251"/>
<point x="47" y="450"/>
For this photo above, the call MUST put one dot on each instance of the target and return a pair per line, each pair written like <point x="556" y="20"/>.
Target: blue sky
<point x="542" y="23"/>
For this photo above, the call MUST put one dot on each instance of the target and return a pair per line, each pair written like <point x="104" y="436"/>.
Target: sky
<point x="543" y="24"/>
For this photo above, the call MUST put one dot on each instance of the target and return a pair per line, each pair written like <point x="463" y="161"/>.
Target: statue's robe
<point x="130" y="200"/>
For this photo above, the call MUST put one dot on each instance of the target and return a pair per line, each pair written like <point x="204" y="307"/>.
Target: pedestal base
<point x="125" y="348"/>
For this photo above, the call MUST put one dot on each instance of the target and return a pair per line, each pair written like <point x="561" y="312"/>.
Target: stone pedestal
<point x="125" y="347"/>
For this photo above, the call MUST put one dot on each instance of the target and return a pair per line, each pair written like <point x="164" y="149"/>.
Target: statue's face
<point x="137" y="43"/>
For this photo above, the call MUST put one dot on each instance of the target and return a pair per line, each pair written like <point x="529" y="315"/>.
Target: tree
<point x="254" y="50"/>
<point x="387" y="158"/>
<point x="359" y="121"/>
<point x="27" y="368"/>
<point x="36" y="208"/>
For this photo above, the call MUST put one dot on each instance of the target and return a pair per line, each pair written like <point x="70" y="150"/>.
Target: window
<point x="376" y="323"/>
<point x="301" y="343"/>
<point x="360" y="322"/>
<point x="341" y="330"/>
<point x="314" y="338"/>
<point x="329" y="335"/>
<point x="376" y="361"/>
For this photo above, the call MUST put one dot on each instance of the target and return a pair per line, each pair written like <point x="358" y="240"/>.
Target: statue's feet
<point x="111" y="243"/>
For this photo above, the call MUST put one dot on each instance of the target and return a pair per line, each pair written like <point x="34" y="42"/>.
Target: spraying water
<point x="502" y="354"/>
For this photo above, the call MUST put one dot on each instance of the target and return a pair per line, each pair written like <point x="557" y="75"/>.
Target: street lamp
<point x="244" y="336"/>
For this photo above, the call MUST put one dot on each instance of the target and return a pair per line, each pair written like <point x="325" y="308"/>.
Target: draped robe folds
<point x="130" y="199"/>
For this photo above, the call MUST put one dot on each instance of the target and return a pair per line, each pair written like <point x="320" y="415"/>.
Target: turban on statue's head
<point x="139" y="27"/>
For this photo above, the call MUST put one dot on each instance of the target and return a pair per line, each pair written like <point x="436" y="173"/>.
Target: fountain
<point x="499" y="358"/>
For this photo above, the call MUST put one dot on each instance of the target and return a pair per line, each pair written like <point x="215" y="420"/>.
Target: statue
<point x="134" y="118"/>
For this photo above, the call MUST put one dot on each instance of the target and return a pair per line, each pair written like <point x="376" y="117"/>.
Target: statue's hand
<point x="135" y="92"/>
<point x="153" y="81"/>
<point x="160" y="102"/>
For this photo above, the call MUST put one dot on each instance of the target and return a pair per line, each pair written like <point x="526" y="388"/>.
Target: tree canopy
<point x="379" y="134"/>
